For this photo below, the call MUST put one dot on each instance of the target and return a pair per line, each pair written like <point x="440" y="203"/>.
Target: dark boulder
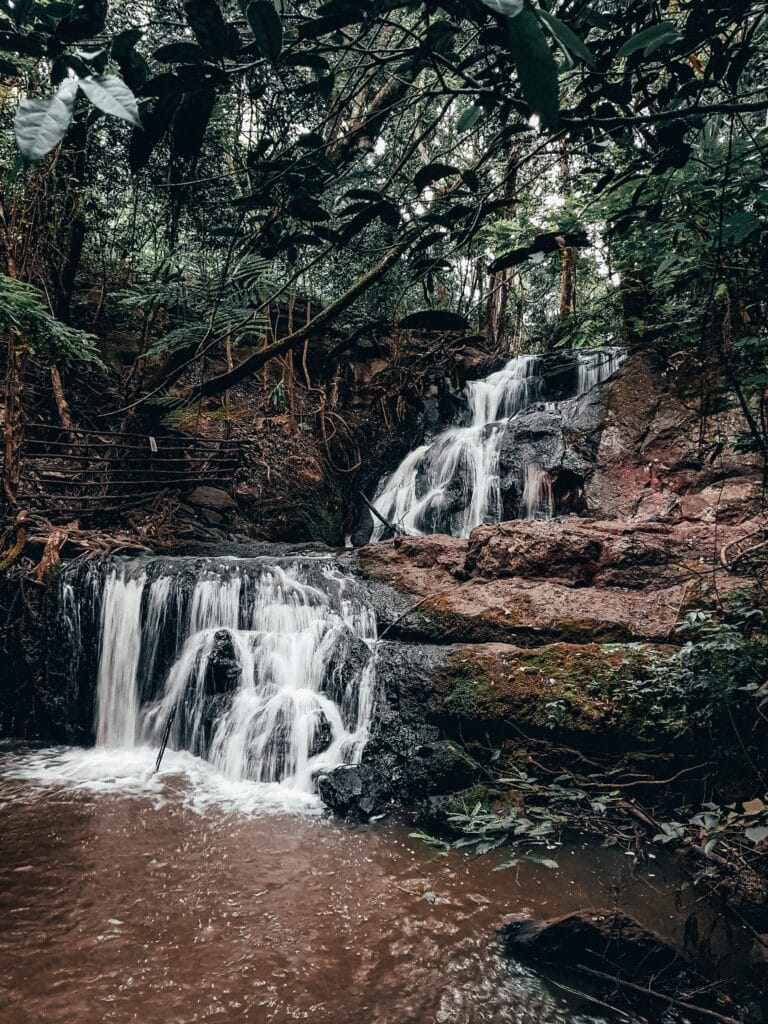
<point x="358" y="792"/>
<point x="601" y="940"/>
<point x="407" y="757"/>
<point x="223" y="671"/>
<point x="345" y="666"/>
<point x="322" y="735"/>
<point x="211" y="498"/>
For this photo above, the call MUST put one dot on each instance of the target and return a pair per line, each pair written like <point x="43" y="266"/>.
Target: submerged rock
<point x="604" y="940"/>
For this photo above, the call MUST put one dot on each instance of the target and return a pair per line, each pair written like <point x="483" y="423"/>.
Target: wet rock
<point x="659" y="459"/>
<point x="210" y="517"/>
<point x="322" y="735"/>
<point x="345" y="666"/>
<point x="357" y="792"/>
<point x="600" y="939"/>
<point x="408" y="757"/>
<point x="224" y="670"/>
<point x="211" y="498"/>
<point x="609" y="554"/>
<point x="442" y="766"/>
<point x="574" y="690"/>
<point x="534" y="549"/>
<point x="617" y="581"/>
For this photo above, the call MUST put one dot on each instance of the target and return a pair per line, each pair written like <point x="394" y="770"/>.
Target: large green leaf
<point x="431" y="173"/>
<point x="649" y="39"/>
<point x="179" y="53"/>
<point x="434" y="320"/>
<point x="110" y="94"/>
<point x="191" y="121"/>
<point x="215" y="35"/>
<point x="133" y="66"/>
<point x="385" y="211"/>
<point x="509" y="8"/>
<point x="536" y="67"/>
<point x="154" y="124"/>
<point x="468" y="119"/>
<point x="737" y="227"/>
<point x="85" y="20"/>
<point x="267" y="29"/>
<point x="40" y="125"/>
<point x="566" y="37"/>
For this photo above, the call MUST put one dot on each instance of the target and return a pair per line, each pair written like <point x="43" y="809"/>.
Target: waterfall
<point x="270" y="667"/>
<point x="597" y="366"/>
<point x="537" y="493"/>
<point x="452" y="483"/>
<point x="420" y="494"/>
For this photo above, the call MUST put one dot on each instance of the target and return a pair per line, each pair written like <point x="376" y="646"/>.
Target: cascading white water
<point x="117" y="697"/>
<point x="537" y="493"/>
<point x="595" y="367"/>
<point x="416" y="494"/>
<point x="453" y="483"/>
<point x="270" y="668"/>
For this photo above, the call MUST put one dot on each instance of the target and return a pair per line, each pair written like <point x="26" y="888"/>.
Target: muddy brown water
<point x="175" y="900"/>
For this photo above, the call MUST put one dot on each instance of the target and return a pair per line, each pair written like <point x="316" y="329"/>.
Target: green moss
<point x="570" y="688"/>
<point x="470" y="694"/>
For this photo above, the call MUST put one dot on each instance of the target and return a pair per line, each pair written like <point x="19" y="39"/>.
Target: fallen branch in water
<point x="374" y="511"/>
<point x="589" y="998"/>
<point x="166" y="737"/>
<point x="651" y="994"/>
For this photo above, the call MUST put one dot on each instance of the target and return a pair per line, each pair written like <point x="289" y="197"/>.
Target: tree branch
<point x="248" y="366"/>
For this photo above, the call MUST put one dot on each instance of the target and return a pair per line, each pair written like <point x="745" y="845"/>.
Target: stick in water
<point x="374" y="511"/>
<point x="166" y="737"/>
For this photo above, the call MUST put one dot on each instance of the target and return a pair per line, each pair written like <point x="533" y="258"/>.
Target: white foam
<point x="182" y="779"/>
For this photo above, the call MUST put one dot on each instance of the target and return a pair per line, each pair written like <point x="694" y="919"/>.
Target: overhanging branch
<point x="216" y="385"/>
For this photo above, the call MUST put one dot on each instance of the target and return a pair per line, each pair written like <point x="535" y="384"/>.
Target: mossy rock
<point x="559" y="688"/>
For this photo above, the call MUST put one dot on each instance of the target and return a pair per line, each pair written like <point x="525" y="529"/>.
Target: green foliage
<point x="483" y="831"/>
<point x="199" y="306"/>
<point x="320" y="136"/>
<point x="695" y="690"/>
<point x="24" y="317"/>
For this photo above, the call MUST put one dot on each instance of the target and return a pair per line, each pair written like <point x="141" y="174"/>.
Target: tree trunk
<point x="568" y="282"/>
<point x="14" y="418"/>
<point x="62" y="405"/>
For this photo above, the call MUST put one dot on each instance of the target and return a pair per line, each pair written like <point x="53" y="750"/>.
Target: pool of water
<point x="177" y="898"/>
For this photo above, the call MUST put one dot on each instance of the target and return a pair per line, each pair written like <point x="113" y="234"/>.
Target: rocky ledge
<point x="578" y="580"/>
<point x="566" y="631"/>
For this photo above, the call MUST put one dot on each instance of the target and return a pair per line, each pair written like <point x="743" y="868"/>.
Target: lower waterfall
<point x="267" y="669"/>
<point x="452" y="483"/>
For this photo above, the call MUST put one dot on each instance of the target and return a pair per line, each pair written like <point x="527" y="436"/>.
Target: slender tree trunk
<point x="499" y="283"/>
<point x="62" y="406"/>
<point x="227" y="402"/>
<point x="568" y="282"/>
<point x="73" y="216"/>
<point x="14" y="418"/>
<point x="248" y="366"/>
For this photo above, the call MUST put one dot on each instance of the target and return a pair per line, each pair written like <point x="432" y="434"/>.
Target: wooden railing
<point x="74" y="472"/>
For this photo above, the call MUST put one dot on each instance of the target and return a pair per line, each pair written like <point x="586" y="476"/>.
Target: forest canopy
<point x="532" y="174"/>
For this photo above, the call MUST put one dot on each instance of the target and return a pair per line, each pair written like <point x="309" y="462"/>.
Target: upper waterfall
<point x="452" y="483"/>
<point x="266" y="670"/>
